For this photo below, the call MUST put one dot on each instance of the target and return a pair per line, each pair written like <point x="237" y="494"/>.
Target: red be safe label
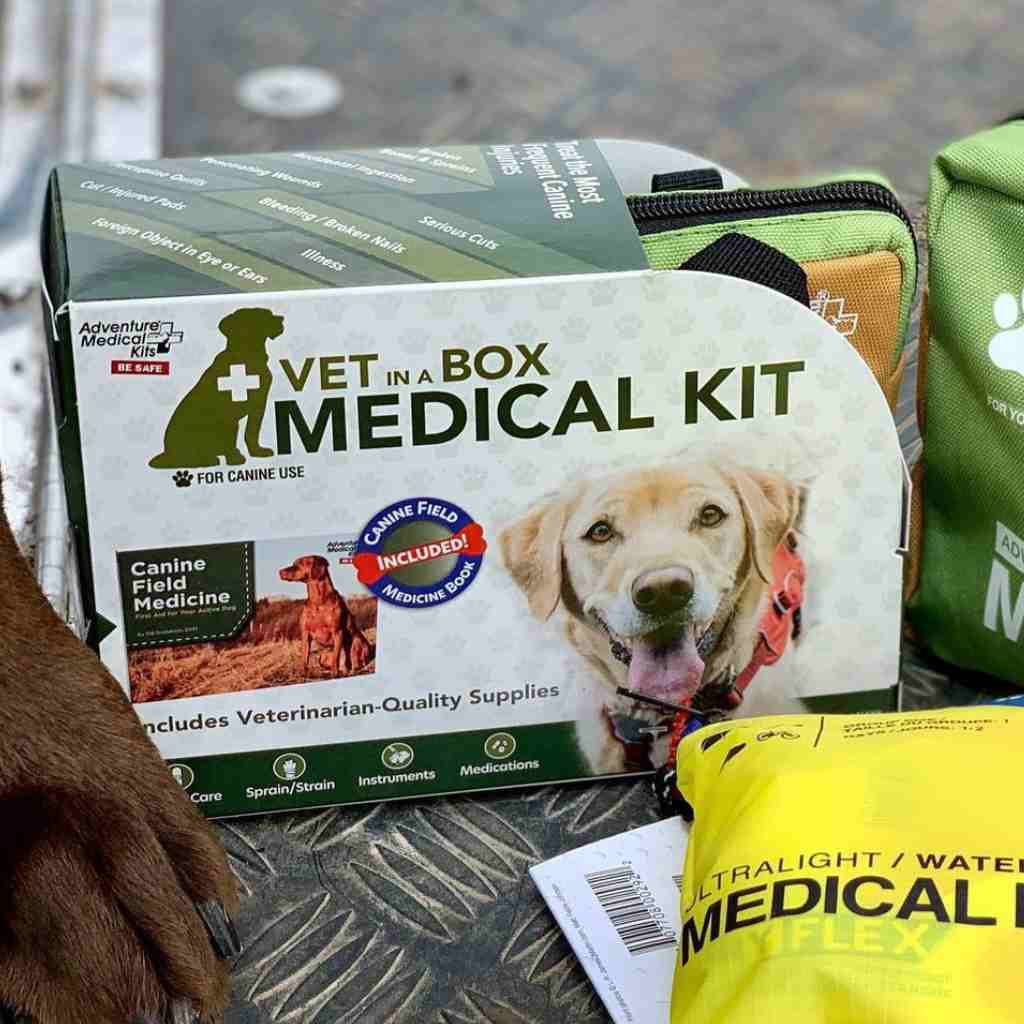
<point x="140" y="366"/>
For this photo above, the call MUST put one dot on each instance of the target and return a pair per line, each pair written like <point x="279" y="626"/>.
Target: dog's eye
<point x="711" y="515"/>
<point x="600" y="532"/>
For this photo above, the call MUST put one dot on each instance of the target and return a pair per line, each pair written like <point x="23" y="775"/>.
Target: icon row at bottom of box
<point x="395" y="756"/>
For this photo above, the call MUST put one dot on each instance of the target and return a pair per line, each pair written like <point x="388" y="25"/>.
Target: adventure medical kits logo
<point x="140" y="344"/>
<point x="419" y="552"/>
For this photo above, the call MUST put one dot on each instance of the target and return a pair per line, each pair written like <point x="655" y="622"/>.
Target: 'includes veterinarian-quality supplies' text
<point x="397" y="472"/>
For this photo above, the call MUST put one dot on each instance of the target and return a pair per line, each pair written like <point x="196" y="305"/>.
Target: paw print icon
<point x="183" y="478"/>
<point x="1006" y="349"/>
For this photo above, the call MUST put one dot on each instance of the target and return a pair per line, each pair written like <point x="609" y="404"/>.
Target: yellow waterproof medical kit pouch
<point x="853" y="869"/>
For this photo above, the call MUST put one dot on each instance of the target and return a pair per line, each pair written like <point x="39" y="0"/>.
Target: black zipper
<point x="669" y="211"/>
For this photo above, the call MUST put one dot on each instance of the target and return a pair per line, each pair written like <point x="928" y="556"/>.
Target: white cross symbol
<point x="238" y="382"/>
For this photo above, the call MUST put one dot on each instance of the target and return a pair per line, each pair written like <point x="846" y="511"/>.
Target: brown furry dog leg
<point x="103" y="858"/>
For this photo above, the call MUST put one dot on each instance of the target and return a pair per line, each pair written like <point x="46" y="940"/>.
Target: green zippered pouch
<point x="852" y="237"/>
<point x="966" y="601"/>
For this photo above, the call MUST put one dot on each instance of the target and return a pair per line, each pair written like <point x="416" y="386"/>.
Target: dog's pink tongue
<point x="670" y="673"/>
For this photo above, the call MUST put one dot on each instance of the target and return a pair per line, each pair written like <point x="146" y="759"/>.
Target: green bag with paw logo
<point x="966" y="585"/>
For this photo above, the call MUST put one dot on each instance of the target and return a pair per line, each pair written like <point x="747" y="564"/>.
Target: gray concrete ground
<point x="774" y="89"/>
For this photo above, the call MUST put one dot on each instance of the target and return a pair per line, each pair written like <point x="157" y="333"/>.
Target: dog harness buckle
<point x="636" y="736"/>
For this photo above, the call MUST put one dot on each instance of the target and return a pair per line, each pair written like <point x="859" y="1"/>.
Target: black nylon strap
<point x="737" y="255"/>
<point x="685" y="181"/>
<point x="670" y="800"/>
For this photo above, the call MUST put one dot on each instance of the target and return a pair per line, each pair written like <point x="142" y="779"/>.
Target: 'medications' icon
<point x="500" y="745"/>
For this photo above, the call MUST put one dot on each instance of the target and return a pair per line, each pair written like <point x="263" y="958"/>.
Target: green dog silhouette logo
<point x="234" y="387"/>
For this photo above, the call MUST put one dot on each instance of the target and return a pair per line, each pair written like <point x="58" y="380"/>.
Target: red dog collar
<point x="781" y="618"/>
<point x="779" y="623"/>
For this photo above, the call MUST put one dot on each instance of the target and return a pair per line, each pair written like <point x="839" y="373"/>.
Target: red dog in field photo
<point x="326" y="618"/>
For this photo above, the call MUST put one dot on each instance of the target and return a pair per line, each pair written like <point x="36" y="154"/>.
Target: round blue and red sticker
<point x="419" y="552"/>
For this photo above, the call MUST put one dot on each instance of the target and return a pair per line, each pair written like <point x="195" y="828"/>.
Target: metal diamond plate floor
<point x="417" y="911"/>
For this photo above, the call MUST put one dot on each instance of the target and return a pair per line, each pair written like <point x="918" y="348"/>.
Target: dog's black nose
<point x="663" y="591"/>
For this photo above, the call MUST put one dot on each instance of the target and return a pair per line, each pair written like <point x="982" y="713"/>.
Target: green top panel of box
<point x="308" y="220"/>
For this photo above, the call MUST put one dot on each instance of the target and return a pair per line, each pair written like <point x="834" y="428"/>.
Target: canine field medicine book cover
<point x="350" y="544"/>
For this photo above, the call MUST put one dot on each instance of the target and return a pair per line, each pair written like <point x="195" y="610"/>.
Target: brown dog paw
<point x="103" y="858"/>
<point x="115" y="895"/>
<point x="113" y="911"/>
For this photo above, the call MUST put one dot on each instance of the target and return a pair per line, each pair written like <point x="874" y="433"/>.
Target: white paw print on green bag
<point x="1006" y="349"/>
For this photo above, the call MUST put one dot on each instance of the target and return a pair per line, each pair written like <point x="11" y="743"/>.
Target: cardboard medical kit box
<point x="397" y="472"/>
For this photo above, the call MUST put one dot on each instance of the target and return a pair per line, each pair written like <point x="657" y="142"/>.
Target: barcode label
<point x="632" y="910"/>
<point x="617" y="904"/>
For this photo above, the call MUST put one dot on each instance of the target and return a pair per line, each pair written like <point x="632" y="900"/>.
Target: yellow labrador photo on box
<point x="675" y="582"/>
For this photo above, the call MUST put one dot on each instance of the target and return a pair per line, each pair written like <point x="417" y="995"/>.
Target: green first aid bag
<point x="851" y="236"/>
<point x="965" y="599"/>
